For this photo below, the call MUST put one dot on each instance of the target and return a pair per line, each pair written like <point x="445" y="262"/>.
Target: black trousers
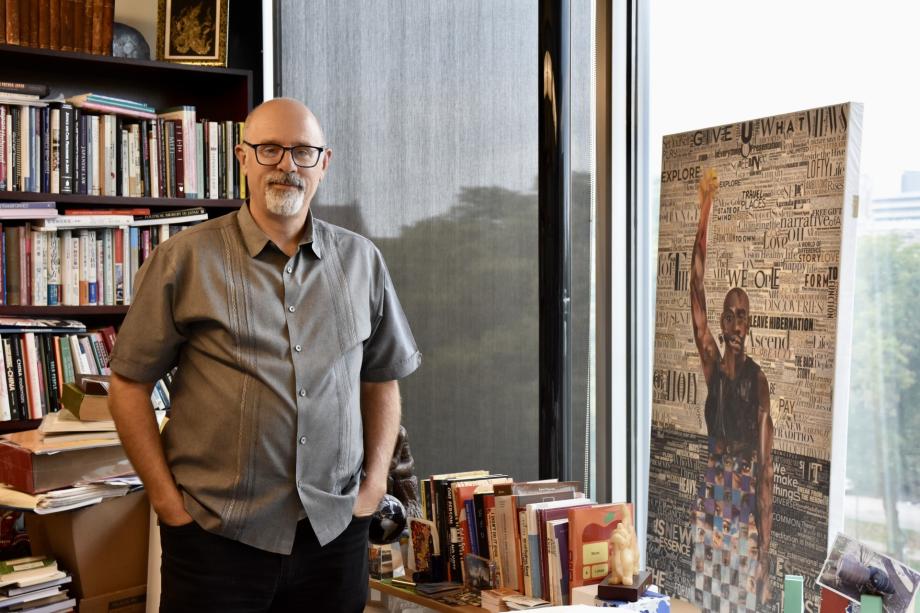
<point x="203" y="572"/>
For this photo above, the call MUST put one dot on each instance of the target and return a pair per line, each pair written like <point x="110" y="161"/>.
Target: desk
<point x="411" y="596"/>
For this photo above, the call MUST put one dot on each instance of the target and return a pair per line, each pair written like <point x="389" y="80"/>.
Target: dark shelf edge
<point x="18" y="425"/>
<point x="74" y="56"/>
<point x="7" y="310"/>
<point x="101" y="201"/>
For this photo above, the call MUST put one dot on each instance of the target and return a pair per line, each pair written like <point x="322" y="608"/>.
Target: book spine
<point x="12" y="22"/>
<point x="67" y="149"/>
<point x="19" y="372"/>
<point x="229" y="158"/>
<point x="81" y="135"/>
<point x="5" y="412"/>
<point x="9" y="372"/>
<point x="54" y="25"/>
<point x="99" y="260"/>
<point x="13" y="281"/>
<point x="121" y="154"/>
<point x="144" y="160"/>
<point x="200" y="158"/>
<point x="94" y="143"/>
<point x="30" y="359"/>
<point x="68" y="375"/>
<point x="33" y="22"/>
<point x="118" y="265"/>
<point x="55" y="178"/>
<point x="25" y="141"/>
<point x="108" y="19"/>
<point x="213" y="162"/>
<point x="45" y="142"/>
<point x="54" y="269"/>
<point x="179" y="167"/>
<point x="39" y="270"/>
<point x="4" y="138"/>
<point x="44" y="23"/>
<point x="134" y="252"/>
<point x="108" y="265"/>
<point x="87" y="26"/>
<point x="98" y="15"/>
<point x="15" y="158"/>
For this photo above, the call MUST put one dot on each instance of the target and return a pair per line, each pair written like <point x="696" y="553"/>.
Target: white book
<point x="84" y="221"/>
<point x="55" y="151"/>
<point x="100" y="275"/>
<point x="125" y="155"/>
<point x="126" y="264"/>
<point x="32" y="384"/>
<point x="111" y="155"/>
<point x="154" y="157"/>
<point x="172" y="220"/>
<point x="213" y="159"/>
<point x="108" y="266"/>
<point x="80" y="364"/>
<point x="136" y="173"/>
<point x="54" y="269"/>
<point x="25" y="152"/>
<point x="229" y="158"/>
<point x="39" y="271"/>
<point x="66" y="268"/>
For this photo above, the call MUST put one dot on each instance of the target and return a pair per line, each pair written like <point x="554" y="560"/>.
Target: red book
<point x="12" y="21"/>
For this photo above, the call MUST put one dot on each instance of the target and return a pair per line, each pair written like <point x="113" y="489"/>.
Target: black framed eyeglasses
<point x="269" y="154"/>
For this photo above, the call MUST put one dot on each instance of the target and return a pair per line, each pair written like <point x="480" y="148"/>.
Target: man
<point x="734" y="514"/>
<point x="289" y="339"/>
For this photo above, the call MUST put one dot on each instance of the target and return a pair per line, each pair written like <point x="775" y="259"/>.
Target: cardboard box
<point x="104" y="546"/>
<point x="131" y="600"/>
<point x="87" y="398"/>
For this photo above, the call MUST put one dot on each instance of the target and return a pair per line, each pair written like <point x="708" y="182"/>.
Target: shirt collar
<point x="255" y="239"/>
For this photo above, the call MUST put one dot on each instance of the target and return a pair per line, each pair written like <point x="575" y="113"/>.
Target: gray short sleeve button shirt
<point x="265" y="423"/>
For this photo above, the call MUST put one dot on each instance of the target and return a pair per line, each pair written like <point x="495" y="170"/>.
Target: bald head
<point x="737" y="298"/>
<point x="279" y="112"/>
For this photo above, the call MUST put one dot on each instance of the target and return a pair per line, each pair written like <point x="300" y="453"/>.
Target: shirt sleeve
<point x="148" y="341"/>
<point x="390" y="352"/>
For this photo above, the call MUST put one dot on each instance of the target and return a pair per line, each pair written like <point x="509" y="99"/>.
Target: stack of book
<point x="99" y="145"/>
<point x="59" y="25"/>
<point x="543" y="538"/>
<point x="83" y="257"/>
<point x="34" y="584"/>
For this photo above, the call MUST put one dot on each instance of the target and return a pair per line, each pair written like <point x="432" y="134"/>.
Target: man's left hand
<point x="369" y="495"/>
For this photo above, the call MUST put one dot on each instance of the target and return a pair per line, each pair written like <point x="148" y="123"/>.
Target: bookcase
<point x="216" y="93"/>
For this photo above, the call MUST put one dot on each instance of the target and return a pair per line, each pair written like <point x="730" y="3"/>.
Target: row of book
<point x="59" y="25"/>
<point x="34" y="584"/>
<point x="37" y="361"/>
<point x="540" y="539"/>
<point x="81" y="260"/>
<point x="105" y="146"/>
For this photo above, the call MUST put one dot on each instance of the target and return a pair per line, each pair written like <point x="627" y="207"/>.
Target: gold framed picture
<point x="192" y="32"/>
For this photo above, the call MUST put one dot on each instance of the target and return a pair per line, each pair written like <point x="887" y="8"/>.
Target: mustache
<point x="283" y="178"/>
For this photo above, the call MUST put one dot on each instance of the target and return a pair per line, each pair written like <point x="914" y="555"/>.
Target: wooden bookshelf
<point x="218" y="94"/>
<point x="116" y="201"/>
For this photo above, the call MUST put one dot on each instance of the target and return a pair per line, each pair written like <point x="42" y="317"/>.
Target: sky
<point x="717" y="62"/>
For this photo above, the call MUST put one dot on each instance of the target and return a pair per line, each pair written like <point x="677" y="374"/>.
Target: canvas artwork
<point x="751" y="271"/>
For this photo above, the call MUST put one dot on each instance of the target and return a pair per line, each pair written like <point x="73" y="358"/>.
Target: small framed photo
<point x="193" y="32"/>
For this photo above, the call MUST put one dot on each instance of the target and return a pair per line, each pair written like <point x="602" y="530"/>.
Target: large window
<point x="431" y="111"/>
<point x="719" y="62"/>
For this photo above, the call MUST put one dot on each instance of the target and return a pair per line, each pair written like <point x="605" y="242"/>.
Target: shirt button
<point x="297" y="348"/>
<point x="302" y="392"/>
<point x="303" y="440"/>
<point x="290" y="270"/>
<point x="291" y="308"/>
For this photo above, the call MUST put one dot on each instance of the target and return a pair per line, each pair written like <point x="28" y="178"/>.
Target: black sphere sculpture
<point x="388" y="521"/>
<point x="129" y="43"/>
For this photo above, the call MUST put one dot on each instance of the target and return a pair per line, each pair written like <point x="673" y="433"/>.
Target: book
<point x="177" y="217"/>
<point x="590" y="540"/>
<point x="26" y="569"/>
